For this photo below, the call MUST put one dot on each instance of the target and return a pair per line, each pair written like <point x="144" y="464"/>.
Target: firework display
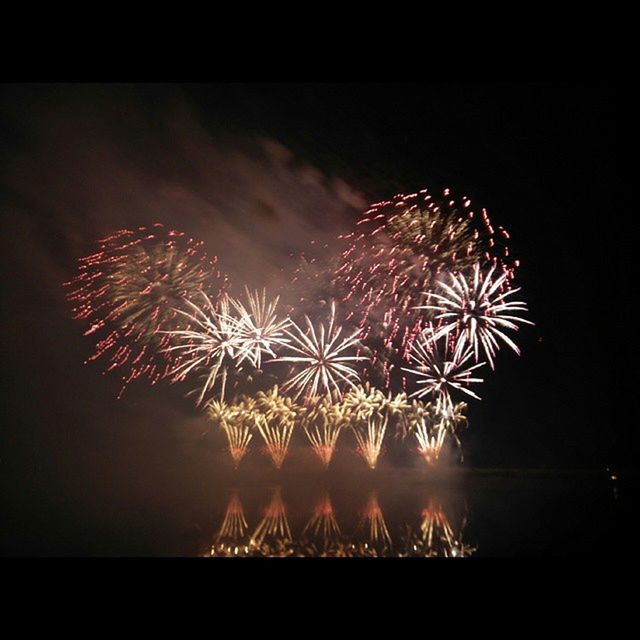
<point x="398" y="252"/>
<point x="128" y="290"/>
<point x="418" y="295"/>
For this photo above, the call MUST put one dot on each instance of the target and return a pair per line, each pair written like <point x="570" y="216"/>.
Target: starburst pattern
<point x="212" y="340"/>
<point x="258" y="327"/>
<point x="128" y="291"/>
<point x="477" y="310"/>
<point x="322" y="356"/>
<point x="398" y="251"/>
<point x="440" y="369"/>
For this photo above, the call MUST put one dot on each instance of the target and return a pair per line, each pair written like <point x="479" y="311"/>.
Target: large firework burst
<point x="398" y="251"/>
<point x="441" y="369"/>
<point x="258" y="326"/>
<point x="477" y="310"/>
<point x="321" y="354"/>
<point x="127" y="291"/>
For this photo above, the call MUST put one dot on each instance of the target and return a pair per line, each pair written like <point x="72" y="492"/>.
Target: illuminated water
<point x="189" y="502"/>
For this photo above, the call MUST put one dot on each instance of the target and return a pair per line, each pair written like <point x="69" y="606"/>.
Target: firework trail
<point x="369" y="410"/>
<point x="477" y="310"/>
<point x="127" y="291"/>
<point x="440" y="369"/>
<point x="398" y="252"/>
<point x="275" y="417"/>
<point x="430" y="440"/>
<point x="323" y="422"/>
<point x="237" y="420"/>
<point x="321" y="355"/>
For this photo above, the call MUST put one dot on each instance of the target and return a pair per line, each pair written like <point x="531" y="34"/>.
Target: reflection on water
<point x="432" y="533"/>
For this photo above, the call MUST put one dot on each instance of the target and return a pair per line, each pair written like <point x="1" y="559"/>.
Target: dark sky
<point x="258" y="170"/>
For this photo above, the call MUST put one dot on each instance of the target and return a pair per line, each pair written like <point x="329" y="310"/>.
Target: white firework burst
<point x="439" y="370"/>
<point x="322" y="355"/>
<point x="213" y="337"/>
<point x="258" y="327"/>
<point x="478" y="311"/>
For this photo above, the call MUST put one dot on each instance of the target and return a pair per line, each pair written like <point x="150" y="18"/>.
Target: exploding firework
<point x="321" y="354"/>
<point x="212" y="341"/>
<point x="272" y="535"/>
<point x="398" y="252"/>
<point x="323" y="422"/>
<point x="440" y="369"/>
<point x="237" y="420"/>
<point x="258" y="327"/>
<point x="127" y="291"/>
<point x="275" y="418"/>
<point x="477" y="310"/>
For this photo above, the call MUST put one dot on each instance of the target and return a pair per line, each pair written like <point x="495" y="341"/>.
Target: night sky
<point x="256" y="171"/>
